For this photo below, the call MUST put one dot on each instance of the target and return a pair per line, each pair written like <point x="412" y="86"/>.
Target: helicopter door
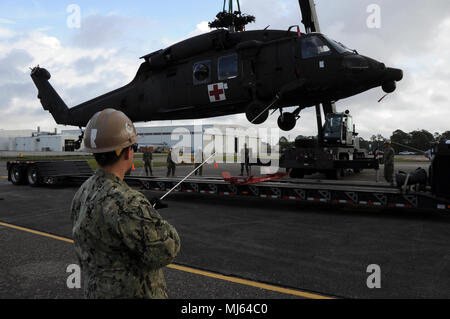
<point x="176" y="87"/>
<point x="201" y="78"/>
<point x="316" y="59"/>
<point x="228" y="73"/>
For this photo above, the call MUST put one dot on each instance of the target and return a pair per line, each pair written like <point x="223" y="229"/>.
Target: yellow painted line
<point x="195" y="271"/>
<point x="37" y="232"/>
<point x="249" y="283"/>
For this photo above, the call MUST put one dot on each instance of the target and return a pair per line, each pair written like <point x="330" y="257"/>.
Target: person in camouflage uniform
<point x="198" y="161"/>
<point x="148" y="158"/>
<point x="121" y="241"/>
<point x="245" y="161"/>
<point x="171" y="166"/>
<point x="389" y="155"/>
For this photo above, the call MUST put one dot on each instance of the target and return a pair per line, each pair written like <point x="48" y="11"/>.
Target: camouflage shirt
<point x="147" y="157"/>
<point x="122" y="243"/>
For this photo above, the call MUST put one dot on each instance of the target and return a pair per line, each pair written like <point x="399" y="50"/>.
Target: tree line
<point x="415" y="141"/>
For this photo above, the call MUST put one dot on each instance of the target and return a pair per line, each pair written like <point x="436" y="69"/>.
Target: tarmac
<point x="240" y="247"/>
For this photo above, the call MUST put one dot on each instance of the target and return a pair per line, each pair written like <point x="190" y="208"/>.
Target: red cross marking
<point x="216" y="92"/>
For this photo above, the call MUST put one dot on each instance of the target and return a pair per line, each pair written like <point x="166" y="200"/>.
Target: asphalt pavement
<point x="264" y="248"/>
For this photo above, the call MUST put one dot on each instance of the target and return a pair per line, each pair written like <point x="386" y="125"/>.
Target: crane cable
<point x="230" y="6"/>
<point x="277" y="97"/>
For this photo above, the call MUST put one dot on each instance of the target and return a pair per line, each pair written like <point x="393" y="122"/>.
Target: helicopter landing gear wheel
<point x="287" y="121"/>
<point x="257" y="113"/>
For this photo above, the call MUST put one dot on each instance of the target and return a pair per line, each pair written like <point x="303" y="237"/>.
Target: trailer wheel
<point x="32" y="176"/>
<point x="17" y="175"/>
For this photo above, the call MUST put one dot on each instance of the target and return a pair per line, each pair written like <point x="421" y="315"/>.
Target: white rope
<point x="277" y="97"/>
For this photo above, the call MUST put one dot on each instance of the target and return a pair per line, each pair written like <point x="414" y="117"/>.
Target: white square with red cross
<point x="216" y="92"/>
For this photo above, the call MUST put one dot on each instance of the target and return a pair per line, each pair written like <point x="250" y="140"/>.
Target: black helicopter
<point x="224" y="72"/>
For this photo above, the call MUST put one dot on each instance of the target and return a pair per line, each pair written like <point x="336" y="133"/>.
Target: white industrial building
<point x="225" y="139"/>
<point x="35" y="141"/>
<point x="6" y="135"/>
<point x="43" y="143"/>
<point x="230" y="138"/>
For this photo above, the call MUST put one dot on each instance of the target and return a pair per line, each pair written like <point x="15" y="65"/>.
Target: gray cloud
<point x="82" y="93"/>
<point x="15" y="81"/>
<point x="13" y="65"/>
<point x="407" y="39"/>
<point x="87" y="65"/>
<point x="100" y="31"/>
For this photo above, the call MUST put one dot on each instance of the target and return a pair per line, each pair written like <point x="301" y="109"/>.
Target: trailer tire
<point x="32" y="176"/>
<point x="17" y="175"/>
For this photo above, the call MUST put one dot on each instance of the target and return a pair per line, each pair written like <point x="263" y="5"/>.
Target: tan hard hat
<point x="109" y="130"/>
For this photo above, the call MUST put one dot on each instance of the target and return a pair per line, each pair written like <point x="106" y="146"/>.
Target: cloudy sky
<point x="103" y="54"/>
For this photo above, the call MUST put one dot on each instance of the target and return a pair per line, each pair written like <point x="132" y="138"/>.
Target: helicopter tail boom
<point x="78" y="115"/>
<point x="50" y="100"/>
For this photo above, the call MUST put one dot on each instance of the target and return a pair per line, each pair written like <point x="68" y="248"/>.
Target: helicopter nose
<point x="393" y="74"/>
<point x="390" y="79"/>
<point x="355" y="63"/>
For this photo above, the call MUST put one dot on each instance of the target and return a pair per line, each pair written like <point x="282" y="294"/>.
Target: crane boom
<point x="309" y="15"/>
<point x="311" y="23"/>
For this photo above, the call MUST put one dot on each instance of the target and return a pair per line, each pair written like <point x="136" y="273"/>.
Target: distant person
<point x="245" y="160"/>
<point x="198" y="161"/>
<point x="430" y="154"/>
<point x="171" y="166"/>
<point x="148" y="158"/>
<point x="389" y="155"/>
<point x="376" y="156"/>
<point x="121" y="241"/>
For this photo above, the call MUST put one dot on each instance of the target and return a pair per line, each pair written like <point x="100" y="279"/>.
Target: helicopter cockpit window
<point x="202" y="72"/>
<point x="314" y="47"/>
<point x="339" y="46"/>
<point x="228" y="67"/>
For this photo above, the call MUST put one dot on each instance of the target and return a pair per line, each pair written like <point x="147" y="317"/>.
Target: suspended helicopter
<point x="231" y="71"/>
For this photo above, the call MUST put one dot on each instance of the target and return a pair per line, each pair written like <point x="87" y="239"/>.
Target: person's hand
<point x="157" y="203"/>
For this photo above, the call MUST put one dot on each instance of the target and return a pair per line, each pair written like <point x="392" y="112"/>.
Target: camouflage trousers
<point x="389" y="172"/>
<point x="148" y="168"/>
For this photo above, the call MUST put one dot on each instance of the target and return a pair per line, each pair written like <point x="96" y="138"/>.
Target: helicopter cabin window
<point x="202" y="72"/>
<point x="228" y="67"/>
<point x="314" y="47"/>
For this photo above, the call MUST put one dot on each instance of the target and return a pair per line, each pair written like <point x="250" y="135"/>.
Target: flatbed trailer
<point x="330" y="192"/>
<point x="36" y="173"/>
<point x="354" y="193"/>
